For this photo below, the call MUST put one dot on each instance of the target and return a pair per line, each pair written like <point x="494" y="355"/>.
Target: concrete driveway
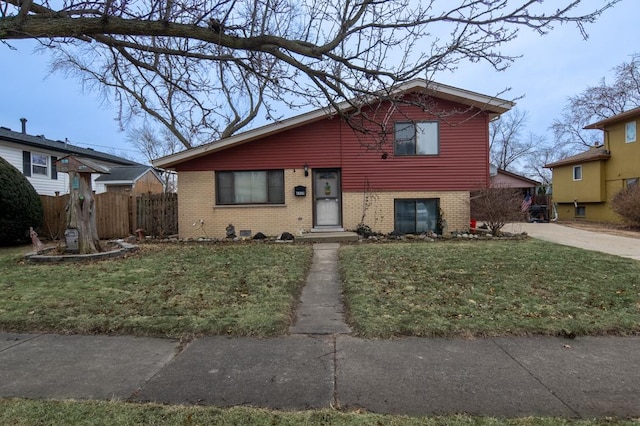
<point x="588" y="240"/>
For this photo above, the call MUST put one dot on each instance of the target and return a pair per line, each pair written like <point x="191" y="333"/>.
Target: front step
<point x="328" y="237"/>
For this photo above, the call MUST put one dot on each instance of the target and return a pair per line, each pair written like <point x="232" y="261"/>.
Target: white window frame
<point x="630" y="132"/>
<point x="577" y="173"/>
<point x="37" y="168"/>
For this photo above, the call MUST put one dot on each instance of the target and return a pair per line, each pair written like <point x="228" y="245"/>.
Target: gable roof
<point x="632" y="113"/>
<point x="83" y="165"/>
<point x="594" y="153"/>
<point x="524" y="179"/>
<point x="59" y="146"/>
<point x="492" y="105"/>
<point x="124" y="174"/>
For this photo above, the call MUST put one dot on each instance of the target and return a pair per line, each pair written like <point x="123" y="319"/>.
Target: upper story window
<point x="250" y="187"/>
<point x="577" y="172"/>
<point x="416" y="138"/>
<point x="630" y="132"/>
<point x="39" y="164"/>
<point x="36" y="164"/>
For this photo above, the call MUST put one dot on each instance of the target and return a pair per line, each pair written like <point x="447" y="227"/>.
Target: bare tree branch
<point x="206" y="69"/>
<point x="597" y="103"/>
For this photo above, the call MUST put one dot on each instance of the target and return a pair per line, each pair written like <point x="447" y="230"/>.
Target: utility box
<point x="71" y="240"/>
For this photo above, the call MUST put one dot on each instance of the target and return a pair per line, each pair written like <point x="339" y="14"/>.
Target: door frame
<point x="317" y="194"/>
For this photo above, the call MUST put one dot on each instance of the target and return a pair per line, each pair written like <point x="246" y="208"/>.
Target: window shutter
<point x="26" y="163"/>
<point x="54" y="169"/>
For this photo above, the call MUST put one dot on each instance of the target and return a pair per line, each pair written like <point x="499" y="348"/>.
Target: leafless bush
<point x="626" y="203"/>
<point x="496" y="207"/>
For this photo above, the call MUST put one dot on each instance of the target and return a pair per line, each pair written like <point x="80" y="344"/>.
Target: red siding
<point x="462" y="164"/>
<point x="317" y="144"/>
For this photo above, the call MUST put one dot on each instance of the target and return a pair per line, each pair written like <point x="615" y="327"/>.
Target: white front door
<point x="327" y="198"/>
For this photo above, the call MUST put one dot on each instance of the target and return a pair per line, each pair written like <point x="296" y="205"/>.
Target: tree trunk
<point x="82" y="215"/>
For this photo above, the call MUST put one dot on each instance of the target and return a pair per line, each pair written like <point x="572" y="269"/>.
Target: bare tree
<point x="597" y="103"/>
<point x="497" y="206"/>
<point x="205" y="69"/>
<point x="155" y="144"/>
<point x="506" y="143"/>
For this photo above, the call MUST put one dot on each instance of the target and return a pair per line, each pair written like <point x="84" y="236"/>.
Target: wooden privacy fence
<point x="118" y="215"/>
<point x="157" y="214"/>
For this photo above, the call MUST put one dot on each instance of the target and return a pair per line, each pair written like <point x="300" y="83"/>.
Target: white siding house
<point x="35" y="157"/>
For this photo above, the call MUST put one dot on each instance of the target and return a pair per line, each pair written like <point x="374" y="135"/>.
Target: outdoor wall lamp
<point x="306" y="169"/>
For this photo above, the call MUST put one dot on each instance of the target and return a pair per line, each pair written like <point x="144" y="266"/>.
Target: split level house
<point x="412" y="171"/>
<point x="36" y="156"/>
<point x="584" y="184"/>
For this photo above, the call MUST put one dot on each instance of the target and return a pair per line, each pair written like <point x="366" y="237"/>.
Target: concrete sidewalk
<point x="511" y="376"/>
<point x="588" y="240"/>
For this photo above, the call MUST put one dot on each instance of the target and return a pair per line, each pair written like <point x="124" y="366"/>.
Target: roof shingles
<point x="59" y="146"/>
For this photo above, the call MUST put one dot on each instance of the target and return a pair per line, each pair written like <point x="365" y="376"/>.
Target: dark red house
<point x="412" y="171"/>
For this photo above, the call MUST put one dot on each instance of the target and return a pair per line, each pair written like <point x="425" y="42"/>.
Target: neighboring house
<point x="584" y="184"/>
<point x="504" y="179"/>
<point x="35" y="157"/>
<point x="314" y="172"/>
<point x="134" y="180"/>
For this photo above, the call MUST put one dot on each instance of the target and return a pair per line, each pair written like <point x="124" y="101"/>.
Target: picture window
<point x="250" y="187"/>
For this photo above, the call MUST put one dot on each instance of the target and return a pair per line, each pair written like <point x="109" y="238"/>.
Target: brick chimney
<point x="24" y="125"/>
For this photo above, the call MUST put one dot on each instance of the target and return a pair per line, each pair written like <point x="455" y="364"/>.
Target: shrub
<point x="21" y="206"/>
<point x="496" y="207"/>
<point x="626" y="203"/>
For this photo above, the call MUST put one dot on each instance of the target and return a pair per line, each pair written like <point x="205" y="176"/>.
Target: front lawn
<point x="479" y="288"/>
<point x="163" y="290"/>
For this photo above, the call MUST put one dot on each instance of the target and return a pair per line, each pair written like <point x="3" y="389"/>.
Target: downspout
<point x="554" y="206"/>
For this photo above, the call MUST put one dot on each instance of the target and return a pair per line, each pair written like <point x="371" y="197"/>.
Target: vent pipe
<point x="24" y="125"/>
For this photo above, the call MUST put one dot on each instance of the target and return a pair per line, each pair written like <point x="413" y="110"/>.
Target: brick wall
<point x="379" y="214"/>
<point x="200" y="217"/>
<point x="197" y="203"/>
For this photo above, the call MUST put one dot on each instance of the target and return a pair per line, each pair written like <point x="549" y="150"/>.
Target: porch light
<point x="306" y="169"/>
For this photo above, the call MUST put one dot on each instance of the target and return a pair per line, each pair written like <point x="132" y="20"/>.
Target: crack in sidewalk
<point x="537" y="379"/>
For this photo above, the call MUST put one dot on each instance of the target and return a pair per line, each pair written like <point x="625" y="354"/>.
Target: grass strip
<point x="23" y="412"/>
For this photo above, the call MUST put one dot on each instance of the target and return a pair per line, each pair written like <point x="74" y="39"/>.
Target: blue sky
<point x="552" y="67"/>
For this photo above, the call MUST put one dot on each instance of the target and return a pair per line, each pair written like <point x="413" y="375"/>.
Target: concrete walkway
<point x="321" y="310"/>
<point x="588" y="240"/>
